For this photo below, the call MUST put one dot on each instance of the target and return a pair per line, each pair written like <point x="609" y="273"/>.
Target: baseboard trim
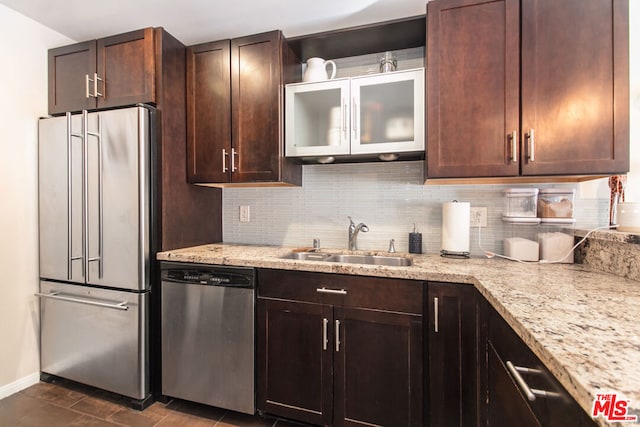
<point x="18" y="385"/>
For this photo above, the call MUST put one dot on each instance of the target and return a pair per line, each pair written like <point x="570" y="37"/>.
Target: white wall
<point x="23" y="98"/>
<point x="633" y="179"/>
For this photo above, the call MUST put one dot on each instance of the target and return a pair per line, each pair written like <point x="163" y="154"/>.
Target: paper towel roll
<point x="455" y="226"/>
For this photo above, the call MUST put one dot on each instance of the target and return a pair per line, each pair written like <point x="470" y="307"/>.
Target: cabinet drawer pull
<point x="530" y="393"/>
<point x="337" y="336"/>
<point x="331" y="291"/>
<point x="325" y="338"/>
<point x="532" y="145"/>
<point x="514" y="146"/>
<point x="435" y="315"/>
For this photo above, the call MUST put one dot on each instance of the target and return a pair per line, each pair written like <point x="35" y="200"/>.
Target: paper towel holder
<point x="452" y="253"/>
<point x="458" y="255"/>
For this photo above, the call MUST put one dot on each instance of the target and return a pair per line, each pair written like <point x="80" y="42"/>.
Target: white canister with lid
<point x="629" y="217"/>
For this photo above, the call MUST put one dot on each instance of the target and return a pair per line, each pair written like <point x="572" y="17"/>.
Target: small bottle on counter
<point x="415" y="241"/>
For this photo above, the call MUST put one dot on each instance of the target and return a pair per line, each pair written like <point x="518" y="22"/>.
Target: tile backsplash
<point x="387" y="197"/>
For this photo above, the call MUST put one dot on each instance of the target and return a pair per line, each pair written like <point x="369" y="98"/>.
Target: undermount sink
<point x="308" y="256"/>
<point x="398" y="261"/>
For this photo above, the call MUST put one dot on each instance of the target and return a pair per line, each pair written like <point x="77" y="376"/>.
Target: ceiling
<point x="196" y="21"/>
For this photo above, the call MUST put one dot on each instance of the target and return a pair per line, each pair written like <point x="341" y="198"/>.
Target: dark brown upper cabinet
<point x="235" y="111"/>
<point x="109" y="72"/>
<point x="527" y="88"/>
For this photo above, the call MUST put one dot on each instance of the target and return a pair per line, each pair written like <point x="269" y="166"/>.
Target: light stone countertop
<point x="583" y="324"/>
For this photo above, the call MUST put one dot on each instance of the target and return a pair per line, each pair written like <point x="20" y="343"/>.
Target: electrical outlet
<point x="478" y="217"/>
<point x="244" y="213"/>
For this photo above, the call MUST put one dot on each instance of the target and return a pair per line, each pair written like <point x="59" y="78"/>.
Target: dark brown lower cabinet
<point x="376" y="362"/>
<point x="294" y="375"/>
<point x="457" y="355"/>
<point x="509" y="402"/>
<point x="340" y="350"/>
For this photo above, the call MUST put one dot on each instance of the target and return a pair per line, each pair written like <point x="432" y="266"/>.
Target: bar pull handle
<point x="86" y="81"/>
<point x="345" y="119"/>
<point x="70" y="257"/>
<point x="435" y="315"/>
<point x="95" y="85"/>
<point x="69" y="204"/>
<point x="225" y="169"/>
<point x="57" y="295"/>
<point x="532" y="145"/>
<point x="514" y="146"/>
<point x="325" y="338"/>
<point x="354" y="118"/>
<point x="234" y="153"/>
<point x="331" y="291"/>
<point x="530" y="393"/>
<point x="337" y="336"/>
<point x="85" y="194"/>
<point x="98" y="136"/>
<point x="95" y="81"/>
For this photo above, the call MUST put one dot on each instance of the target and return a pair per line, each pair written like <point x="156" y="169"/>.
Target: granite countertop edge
<point x="581" y="323"/>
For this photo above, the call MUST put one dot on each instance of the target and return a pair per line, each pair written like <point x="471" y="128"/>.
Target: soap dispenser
<point x="415" y="241"/>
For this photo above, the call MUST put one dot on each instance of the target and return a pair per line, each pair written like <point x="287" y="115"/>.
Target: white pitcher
<point x="317" y="70"/>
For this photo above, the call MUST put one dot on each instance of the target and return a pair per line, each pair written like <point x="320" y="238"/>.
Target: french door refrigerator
<point x="95" y="203"/>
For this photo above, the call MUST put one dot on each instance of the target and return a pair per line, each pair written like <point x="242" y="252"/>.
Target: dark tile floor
<point x="68" y="404"/>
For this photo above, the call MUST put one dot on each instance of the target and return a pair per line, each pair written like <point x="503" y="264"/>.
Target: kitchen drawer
<point x="95" y="336"/>
<point x="377" y="293"/>
<point x="505" y="346"/>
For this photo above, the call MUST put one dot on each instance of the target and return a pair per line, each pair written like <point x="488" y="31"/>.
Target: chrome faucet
<point x="353" y="233"/>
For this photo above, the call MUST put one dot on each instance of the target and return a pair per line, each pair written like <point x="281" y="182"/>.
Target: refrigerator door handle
<point x="69" y="193"/>
<point x="57" y="295"/>
<point x="98" y="136"/>
<point x="70" y="136"/>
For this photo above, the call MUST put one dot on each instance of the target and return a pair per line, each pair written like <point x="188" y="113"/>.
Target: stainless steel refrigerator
<point x="95" y="202"/>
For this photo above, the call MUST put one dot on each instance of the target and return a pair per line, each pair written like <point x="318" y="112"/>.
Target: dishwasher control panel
<point x="208" y="275"/>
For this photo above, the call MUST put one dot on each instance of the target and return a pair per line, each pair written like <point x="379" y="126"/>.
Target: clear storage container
<point x="520" y="202"/>
<point x="556" y="203"/>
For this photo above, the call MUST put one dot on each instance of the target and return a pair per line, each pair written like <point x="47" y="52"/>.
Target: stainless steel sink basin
<point x="308" y="256"/>
<point x="371" y="259"/>
<point x="350" y="259"/>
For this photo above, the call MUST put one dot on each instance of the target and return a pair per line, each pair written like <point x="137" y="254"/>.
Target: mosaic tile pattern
<point x="388" y="197"/>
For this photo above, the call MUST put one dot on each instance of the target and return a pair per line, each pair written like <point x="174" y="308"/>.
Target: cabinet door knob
<point x="337" y="336"/>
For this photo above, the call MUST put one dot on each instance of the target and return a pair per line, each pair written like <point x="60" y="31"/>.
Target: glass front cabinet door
<point x="368" y="115"/>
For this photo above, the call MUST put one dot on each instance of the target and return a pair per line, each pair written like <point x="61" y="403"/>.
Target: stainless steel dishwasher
<point x="208" y="334"/>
